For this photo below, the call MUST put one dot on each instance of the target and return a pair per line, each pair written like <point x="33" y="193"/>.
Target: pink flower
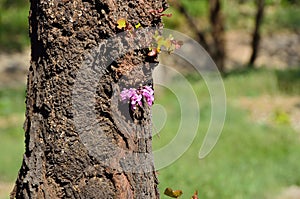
<point x="135" y="96"/>
<point x="148" y="93"/>
<point x="127" y="93"/>
<point x="136" y="99"/>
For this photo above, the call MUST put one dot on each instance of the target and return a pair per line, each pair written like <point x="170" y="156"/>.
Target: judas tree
<point x="81" y="140"/>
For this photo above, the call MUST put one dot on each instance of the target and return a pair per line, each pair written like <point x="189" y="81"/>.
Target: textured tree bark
<point x="57" y="163"/>
<point x="256" y="34"/>
<point x="218" y="34"/>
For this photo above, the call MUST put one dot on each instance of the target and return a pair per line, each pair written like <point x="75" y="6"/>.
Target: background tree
<point x="256" y="32"/>
<point x="56" y="162"/>
<point x="218" y="33"/>
<point x="216" y="48"/>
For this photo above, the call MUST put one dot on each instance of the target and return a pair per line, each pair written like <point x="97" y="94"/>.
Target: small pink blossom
<point x="135" y="96"/>
<point x="148" y="93"/>
<point x="127" y="93"/>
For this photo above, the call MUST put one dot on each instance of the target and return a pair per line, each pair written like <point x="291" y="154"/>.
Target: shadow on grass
<point x="289" y="81"/>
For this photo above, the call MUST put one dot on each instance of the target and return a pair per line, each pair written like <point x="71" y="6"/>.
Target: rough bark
<point x="256" y="33"/>
<point x="218" y="33"/>
<point x="57" y="163"/>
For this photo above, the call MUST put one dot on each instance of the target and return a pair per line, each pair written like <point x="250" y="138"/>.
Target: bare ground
<point x="281" y="50"/>
<point x="5" y="189"/>
<point x="292" y="192"/>
<point x="263" y="109"/>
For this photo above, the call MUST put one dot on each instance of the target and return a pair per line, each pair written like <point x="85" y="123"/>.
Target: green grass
<point x="251" y="82"/>
<point x="12" y="100"/>
<point x="289" y="81"/>
<point x="11" y="152"/>
<point x="11" y="133"/>
<point x="250" y="160"/>
<point x="196" y="7"/>
<point x="14" y="25"/>
<point x="283" y="17"/>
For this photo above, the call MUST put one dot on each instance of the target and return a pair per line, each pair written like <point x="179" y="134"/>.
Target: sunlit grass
<point x="250" y="160"/>
<point x="12" y="108"/>
<point x="14" y="26"/>
<point x="11" y="151"/>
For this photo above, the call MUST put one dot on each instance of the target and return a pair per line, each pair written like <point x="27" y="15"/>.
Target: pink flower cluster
<point x="135" y="96"/>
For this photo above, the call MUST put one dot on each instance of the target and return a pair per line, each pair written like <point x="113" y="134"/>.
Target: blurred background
<point x="256" y="45"/>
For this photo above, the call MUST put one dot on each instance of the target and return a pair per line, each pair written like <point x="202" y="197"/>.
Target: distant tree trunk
<point x="200" y="35"/>
<point x="256" y="33"/>
<point x="217" y="48"/>
<point x="218" y="33"/>
<point x="57" y="163"/>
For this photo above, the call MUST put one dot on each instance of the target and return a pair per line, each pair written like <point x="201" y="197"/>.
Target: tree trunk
<point x="256" y="33"/>
<point x="66" y="156"/>
<point x="200" y="35"/>
<point x="218" y="34"/>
